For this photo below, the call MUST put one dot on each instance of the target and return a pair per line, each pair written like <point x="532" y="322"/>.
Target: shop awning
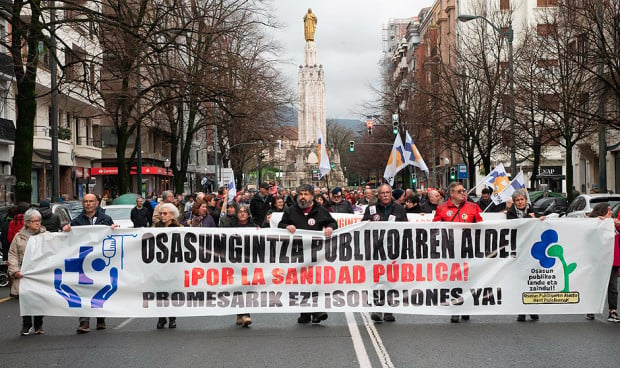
<point x="146" y="170"/>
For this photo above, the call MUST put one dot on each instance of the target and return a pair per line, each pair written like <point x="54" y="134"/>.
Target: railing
<point x="82" y="141"/>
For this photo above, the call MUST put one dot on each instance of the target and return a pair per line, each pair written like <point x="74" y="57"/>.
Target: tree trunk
<point x="22" y="160"/>
<point x="569" y="172"/>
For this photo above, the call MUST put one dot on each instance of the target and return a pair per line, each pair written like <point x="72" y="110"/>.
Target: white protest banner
<point x="523" y="266"/>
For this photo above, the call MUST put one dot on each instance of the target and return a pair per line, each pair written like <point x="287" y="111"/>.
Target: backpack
<point x="15" y="226"/>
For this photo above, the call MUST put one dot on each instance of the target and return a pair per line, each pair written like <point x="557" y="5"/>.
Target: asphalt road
<point x="344" y="340"/>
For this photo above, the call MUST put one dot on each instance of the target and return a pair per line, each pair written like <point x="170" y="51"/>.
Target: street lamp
<point x="167" y="166"/>
<point x="509" y="35"/>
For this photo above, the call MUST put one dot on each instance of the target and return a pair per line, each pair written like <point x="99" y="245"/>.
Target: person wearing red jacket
<point x="457" y="209"/>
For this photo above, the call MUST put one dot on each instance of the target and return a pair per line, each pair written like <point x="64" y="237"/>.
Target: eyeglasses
<point x="34" y="221"/>
<point x="243" y="211"/>
<point x="461" y="191"/>
<point x="164" y="213"/>
<point x="384" y="193"/>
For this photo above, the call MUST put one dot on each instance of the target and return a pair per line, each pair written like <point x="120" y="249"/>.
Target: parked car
<point x="583" y="204"/>
<point x="74" y="207"/>
<point x="544" y="206"/>
<point x="121" y="214"/>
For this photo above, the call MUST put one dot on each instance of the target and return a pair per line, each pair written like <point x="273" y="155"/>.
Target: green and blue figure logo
<point x="546" y="251"/>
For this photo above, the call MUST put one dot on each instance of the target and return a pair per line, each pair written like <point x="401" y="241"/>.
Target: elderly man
<point x="261" y="204"/>
<point x="386" y="209"/>
<point x="339" y="204"/>
<point x="458" y="209"/>
<point x="369" y="197"/>
<point x="434" y="200"/>
<point x="306" y="214"/>
<point x="140" y="215"/>
<point x="92" y="214"/>
<point x="166" y="197"/>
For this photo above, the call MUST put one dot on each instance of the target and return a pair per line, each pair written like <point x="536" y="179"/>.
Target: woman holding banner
<point x="603" y="211"/>
<point x="32" y="227"/>
<point x="244" y="219"/>
<point x="169" y="214"/>
<point x="521" y="209"/>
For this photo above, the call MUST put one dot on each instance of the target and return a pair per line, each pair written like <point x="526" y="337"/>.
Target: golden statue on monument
<point x="309" y="25"/>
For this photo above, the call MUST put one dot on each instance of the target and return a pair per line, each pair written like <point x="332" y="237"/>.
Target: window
<point x="546" y="3"/>
<point x="548" y="102"/>
<point x="546" y="29"/>
<point x="504" y="4"/>
<point x="44" y="55"/>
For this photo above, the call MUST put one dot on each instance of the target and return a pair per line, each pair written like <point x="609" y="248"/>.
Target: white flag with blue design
<point x="413" y="156"/>
<point x="324" y="166"/>
<point x="232" y="189"/>
<point x="517" y="183"/>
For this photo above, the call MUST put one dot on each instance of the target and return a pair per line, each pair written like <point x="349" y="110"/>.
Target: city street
<point x="342" y="341"/>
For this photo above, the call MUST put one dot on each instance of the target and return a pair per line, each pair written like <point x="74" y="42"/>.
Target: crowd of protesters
<point x="254" y="208"/>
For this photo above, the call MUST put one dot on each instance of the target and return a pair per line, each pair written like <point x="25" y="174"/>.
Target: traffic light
<point x="413" y="180"/>
<point x="369" y="126"/>
<point x="452" y="173"/>
<point x="395" y="124"/>
<point x="351" y="146"/>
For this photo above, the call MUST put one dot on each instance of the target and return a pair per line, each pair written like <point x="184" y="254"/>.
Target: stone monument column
<point x="311" y="89"/>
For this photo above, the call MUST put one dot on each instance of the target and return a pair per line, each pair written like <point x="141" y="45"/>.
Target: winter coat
<point x="378" y="212"/>
<point x="16" y="255"/>
<point x="100" y="218"/>
<point x="49" y="220"/>
<point x="317" y="219"/>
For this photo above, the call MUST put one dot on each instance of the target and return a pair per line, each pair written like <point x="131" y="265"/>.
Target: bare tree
<point x="569" y="86"/>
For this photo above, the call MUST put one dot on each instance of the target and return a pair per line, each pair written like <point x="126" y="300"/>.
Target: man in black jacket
<point x="140" y="215"/>
<point x="389" y="210"/>
<point x="306" y="214"/>
<point x="49" y="220"/>
<point x="261" y="203"/>
<point x="92" y="214"/>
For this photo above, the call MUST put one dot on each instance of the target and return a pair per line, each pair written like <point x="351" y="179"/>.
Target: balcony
<point x="88" y="148"/>
<point x="42" y="142"/>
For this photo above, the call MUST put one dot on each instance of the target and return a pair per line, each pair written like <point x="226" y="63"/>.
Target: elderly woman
<point x="32" y="222"/>
<point x="244" y="219"/>
<point x="169" y="213"/>
<point x="198" y="216"/>
<point x="521" y="209"/>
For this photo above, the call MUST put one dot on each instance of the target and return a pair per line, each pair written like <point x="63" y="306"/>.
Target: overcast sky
<point x="348" y="39"/>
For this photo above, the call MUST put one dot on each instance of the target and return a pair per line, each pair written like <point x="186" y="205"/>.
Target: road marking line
<point x="358" y="343"/>
<point x="382" y="354"/>
<point x="5" y="299"/>
<point x="123" y="324"/>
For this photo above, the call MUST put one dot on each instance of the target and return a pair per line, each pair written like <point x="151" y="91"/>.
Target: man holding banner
<point x="458" y="209"/>
<point x="306" y="214"/>
<point x="389" y="210"/>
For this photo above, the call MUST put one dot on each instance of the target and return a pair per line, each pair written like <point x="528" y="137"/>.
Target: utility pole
<point x="54" y="106"/>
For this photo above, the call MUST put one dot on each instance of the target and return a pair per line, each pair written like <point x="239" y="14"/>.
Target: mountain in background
<point x="289" y="116"/>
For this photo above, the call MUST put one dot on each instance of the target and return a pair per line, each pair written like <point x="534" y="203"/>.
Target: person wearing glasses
<point x="168" y="215"/>
<point x="338" y="203"/>
<point x="458" y="209"/>
<point x="306" y="214"/>
<point x="32" y="227"/>
<point x="91" y="214"/>
<point x="386" y="209"/>
<point x="243" y="219"/>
